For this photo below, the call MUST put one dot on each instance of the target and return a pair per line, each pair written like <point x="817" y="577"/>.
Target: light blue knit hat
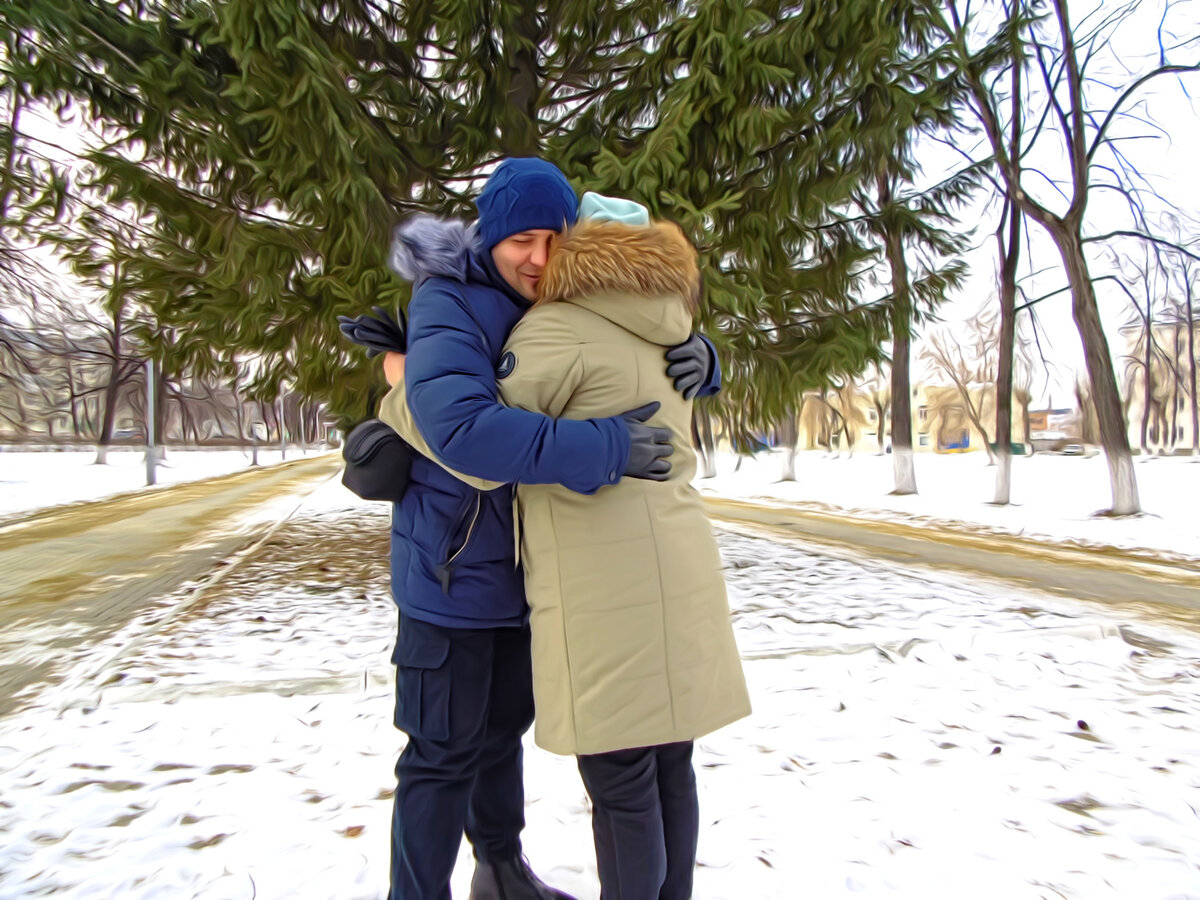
<point x="597" y="207"/>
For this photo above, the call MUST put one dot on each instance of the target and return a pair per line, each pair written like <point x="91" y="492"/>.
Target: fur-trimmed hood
<point x="426" y="246"/>
<point x="644" y="278"/>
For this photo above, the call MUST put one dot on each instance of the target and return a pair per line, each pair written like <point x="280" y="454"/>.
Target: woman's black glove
<point x="381" y="333"/>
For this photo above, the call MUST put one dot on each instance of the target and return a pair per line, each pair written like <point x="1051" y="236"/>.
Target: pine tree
<point x="774" y="119"/>
<point x="263" y="149"/>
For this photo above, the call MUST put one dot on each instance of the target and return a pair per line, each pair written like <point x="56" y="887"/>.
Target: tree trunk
<point x="1176" y="351"/>
<point x="72" y="397"/>
<point x="279" y="421"/>
<point x="239" y="415"/>
<point x="1147" y="376"/>
<point x="1025" y="425"/>
<point x="846" y="399"/>
<point x="973" y="416"/>
<point x="1010" y="254"/>
<point x="1192" y="370"/>
<point x="1010" y="249"/>
<point x="789" y="435"/>
<point x="1101" y="377"/>
<point x="522" y="137"/>
<point x="903" y="471"/>
<point x="111" y="393"/>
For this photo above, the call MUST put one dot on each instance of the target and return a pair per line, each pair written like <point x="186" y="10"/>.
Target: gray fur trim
<point x="425" y="246"/>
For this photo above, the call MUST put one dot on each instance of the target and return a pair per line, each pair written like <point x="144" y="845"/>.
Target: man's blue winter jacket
<point x="453" y="549"/>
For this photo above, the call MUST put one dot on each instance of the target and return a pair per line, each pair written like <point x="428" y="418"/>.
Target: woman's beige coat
<point x="632" y="639"/>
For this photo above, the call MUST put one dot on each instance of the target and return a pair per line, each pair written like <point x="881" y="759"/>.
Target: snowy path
<point x="72" y="575"/>
<point x="915" y="735"/>
<point x="1108" y="574"/>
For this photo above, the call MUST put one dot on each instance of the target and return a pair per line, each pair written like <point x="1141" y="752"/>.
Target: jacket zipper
<point x="444" y="570"/>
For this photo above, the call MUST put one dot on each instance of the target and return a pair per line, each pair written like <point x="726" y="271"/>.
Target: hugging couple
<point x="550" y="552"/>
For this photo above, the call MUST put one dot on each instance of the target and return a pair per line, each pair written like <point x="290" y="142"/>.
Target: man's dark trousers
<point x="645" y="821"/>
<point x="464" y="697"/>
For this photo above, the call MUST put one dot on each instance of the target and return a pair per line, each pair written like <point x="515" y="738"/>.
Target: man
<point x="463" y="682"/>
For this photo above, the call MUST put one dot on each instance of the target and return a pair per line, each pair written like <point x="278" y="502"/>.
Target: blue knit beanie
<point x="521" y="194"/>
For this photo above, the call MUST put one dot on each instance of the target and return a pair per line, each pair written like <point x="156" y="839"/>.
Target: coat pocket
<point x="461" y="532"/>
<point x="422" y="681"/>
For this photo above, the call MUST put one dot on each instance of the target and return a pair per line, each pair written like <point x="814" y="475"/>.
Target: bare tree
<point x="877" y="391"/>
<point x="1052" y="45"/>
<point x="1188" y="272"/>
<point x="1144" y="344"/>
<point x="969" y="365"/>
<point x="1176" y="320"/>
<point x="852" y="417"/>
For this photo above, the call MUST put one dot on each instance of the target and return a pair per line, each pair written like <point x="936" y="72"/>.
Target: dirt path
<point x="73" y="575"/>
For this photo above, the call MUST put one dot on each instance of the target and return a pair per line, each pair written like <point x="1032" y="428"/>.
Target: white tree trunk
<point x="1003" y="478"/>
<point x="101" y="455"/>
<point x="1124" y="485"/>
<point x="903" y="470"/>
<point x="788" y="471"/>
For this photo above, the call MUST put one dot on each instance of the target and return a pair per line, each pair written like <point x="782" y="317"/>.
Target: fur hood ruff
<point x="602" y="257"/>
<point x="426" y="246"/>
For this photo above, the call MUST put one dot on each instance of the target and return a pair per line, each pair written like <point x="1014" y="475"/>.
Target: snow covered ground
<point x="915" y="734"/>
<point x="1054" y="497"/>
<point x="33" y="479"/>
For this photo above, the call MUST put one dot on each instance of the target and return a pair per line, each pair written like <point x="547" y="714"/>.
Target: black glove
<point x="649" y="447"/>
<point x="690" y="365"/>
<point x="381" y="333"/>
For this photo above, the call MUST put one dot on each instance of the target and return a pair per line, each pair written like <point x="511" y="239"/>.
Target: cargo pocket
<point x="422" y="681"/>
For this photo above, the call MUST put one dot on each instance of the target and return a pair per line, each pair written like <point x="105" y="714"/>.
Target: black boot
<point x="510" y="879"/>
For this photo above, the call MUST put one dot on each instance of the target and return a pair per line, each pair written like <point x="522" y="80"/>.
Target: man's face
<point x="520" y="258"/>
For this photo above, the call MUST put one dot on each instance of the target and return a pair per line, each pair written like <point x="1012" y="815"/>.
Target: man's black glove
<point x="691" y="364"/>
<point x="649" y="447"/>
<point x="381" y="333"/>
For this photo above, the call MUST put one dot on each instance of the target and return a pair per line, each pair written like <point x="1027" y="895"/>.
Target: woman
<point x="633" y="648"/>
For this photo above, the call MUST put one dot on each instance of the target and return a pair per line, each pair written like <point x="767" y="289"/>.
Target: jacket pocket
<point x="422" y="681"/>
<point x="461" y="533"/>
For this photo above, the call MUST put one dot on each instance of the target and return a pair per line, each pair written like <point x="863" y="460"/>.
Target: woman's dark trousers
<point x="645" y="821"/>
<point x="464" y="697"/>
